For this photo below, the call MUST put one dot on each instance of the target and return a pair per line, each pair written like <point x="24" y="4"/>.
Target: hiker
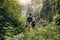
<point x="29" y="20"/>
<point x="33" y="22"/>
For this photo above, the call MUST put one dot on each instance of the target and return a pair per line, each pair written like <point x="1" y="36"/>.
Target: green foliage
<point x="57" y="19"/>
<point x="49" y="32"/>
<point x="9" y="16"/>
<point x="12" y="23"/>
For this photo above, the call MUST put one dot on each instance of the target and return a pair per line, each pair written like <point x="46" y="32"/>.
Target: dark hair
<point x="30" y="14"/>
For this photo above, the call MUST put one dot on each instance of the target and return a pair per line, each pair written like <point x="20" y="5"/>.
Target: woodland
<point x="13" y="15"/>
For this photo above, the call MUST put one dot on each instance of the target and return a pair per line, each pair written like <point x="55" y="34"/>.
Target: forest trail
<point x="38" y="32"/>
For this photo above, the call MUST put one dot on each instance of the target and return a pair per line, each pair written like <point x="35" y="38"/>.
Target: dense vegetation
<point x="13" y="24"/>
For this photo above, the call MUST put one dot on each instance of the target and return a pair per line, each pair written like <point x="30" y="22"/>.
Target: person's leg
<point x="33" y="24"/>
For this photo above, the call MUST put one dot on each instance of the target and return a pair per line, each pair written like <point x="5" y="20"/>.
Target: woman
<point x="33" y="22"/>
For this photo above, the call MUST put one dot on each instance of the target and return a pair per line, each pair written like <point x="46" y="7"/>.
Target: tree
<point x="9" y="19"/>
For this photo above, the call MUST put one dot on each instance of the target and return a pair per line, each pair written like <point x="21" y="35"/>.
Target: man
<point x="29" y="20"/>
